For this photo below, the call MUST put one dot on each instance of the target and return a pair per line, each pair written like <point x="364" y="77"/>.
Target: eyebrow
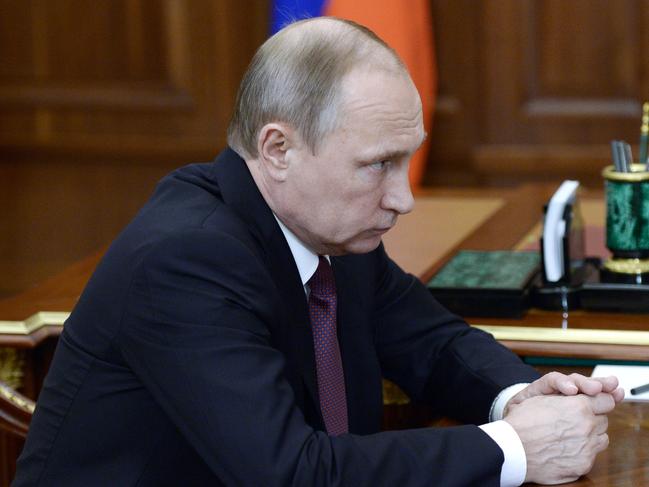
<point x="389" y="155"/>
<point x="394" y="154"/>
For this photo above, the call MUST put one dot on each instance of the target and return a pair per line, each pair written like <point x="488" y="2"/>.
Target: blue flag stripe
<point x="287" y="11"/>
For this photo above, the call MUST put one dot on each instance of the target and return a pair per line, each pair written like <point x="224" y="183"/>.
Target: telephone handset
<point x="556" y="229"/>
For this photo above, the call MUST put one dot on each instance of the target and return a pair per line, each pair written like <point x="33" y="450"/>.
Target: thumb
<point x="602" y="403"/>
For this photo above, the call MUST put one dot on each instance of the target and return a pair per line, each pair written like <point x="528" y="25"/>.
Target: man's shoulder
<point x="190" y="200"/>
<point x="187" y="218"/>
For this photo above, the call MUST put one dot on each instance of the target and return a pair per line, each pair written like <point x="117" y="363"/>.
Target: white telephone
<point x="554" y="230"/>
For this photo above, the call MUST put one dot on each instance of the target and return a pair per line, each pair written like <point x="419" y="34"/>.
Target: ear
<point x="273" y="144"/>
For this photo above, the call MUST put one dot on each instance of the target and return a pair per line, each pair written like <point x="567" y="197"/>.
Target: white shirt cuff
<point x="498" y="406"/>
<point x="514" y="467"/>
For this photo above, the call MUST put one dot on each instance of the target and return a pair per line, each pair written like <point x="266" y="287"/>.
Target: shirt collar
<point x="305" y="259"/>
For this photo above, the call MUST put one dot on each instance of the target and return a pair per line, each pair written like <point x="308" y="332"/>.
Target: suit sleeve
<point x="196" y="334"/>
<point x="434" y="355"/>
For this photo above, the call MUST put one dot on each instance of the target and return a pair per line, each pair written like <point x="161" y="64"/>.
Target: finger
<point x="566" y="386"/>
<point x="587" y="385"/>
<point x="618" y="395"/>
<point x="602" y="442"/>
<point x="540" y="387"/>
<point x="602" y="403"/>
<point x="554" y="382"/>
<point x="572" y="384"/>
<point x="609" y="384"/>
<point x="601" y="424"/>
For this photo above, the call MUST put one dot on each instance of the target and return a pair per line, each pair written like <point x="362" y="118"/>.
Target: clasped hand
<point x="562" y="423"/>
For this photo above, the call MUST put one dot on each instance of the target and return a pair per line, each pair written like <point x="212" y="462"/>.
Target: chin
<point x="362" y="246"/>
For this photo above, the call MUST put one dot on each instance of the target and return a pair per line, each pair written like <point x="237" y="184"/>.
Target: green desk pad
<point x="499" y="269"/>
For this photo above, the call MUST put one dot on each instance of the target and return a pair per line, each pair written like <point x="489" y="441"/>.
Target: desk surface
<point x="625" y="462"/>
<point x="444" y="221"/>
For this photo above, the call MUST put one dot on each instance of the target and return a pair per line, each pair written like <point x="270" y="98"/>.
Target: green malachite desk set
<point x="507" y="283"/>
<point x="627" y="223"/>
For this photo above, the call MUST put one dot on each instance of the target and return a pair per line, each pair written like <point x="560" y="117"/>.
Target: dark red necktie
<point x="329" y="366"/>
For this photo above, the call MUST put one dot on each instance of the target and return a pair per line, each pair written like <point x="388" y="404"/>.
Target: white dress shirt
<point x="514" y="467"/>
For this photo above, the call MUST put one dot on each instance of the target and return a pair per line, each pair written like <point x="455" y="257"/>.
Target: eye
<point x="379" y="165"/>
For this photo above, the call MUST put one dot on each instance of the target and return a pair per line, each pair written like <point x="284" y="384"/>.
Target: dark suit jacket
<point x="188" y="360"/>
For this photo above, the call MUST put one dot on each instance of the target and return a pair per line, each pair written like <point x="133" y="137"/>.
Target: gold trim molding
<point x="34" y="322"/>
<point x="570" y="335"/>
<point x="500" y="332"/>
<point x="17" y="400"/>
<point x="12" y="362"/>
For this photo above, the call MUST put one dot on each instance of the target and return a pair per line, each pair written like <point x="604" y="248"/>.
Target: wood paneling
<point x="124" y="78"/>
<point x="98" y="100"/>
<point x="456" y="123"/>
<point x="538" y="87"/>
<point x="54" y="212"/>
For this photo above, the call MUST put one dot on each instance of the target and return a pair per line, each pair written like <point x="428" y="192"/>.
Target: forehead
<point x="381" y="109"/>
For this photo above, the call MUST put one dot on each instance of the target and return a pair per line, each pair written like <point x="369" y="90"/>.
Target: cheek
<point x="344" y="207"/>
<point x="359" y="214"/>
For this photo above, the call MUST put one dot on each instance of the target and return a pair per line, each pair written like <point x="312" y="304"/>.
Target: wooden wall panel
<point x="98" y="100"/>
<point x="54" y="212"/>
<point x="111" y="94"/>
<point x="546" y="84"/>
<point x="583" y="49"/>
<point x="456" y="123"/>
<point x="129" y="77"/>
<point x="552" y="82"/>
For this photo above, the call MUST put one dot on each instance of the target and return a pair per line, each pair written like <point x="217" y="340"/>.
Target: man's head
<point x="327" y="118"/>
<point x="295" y="77"/>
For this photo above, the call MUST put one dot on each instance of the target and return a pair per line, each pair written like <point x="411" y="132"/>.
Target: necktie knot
<point x="322" y="283"/>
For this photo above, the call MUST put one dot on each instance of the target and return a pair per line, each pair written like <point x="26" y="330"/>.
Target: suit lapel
<point x="294" y="330"/>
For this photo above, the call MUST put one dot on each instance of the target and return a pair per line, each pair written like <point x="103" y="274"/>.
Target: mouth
<point x="387" y="227"/>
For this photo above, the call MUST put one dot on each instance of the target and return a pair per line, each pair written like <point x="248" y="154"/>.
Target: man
<point x="237" y="331"/>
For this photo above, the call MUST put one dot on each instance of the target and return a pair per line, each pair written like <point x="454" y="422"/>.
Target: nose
<point x="398" y="196"/>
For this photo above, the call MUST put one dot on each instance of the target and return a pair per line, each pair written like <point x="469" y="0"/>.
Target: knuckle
<point x="589" y="466"/>
<point x="586" y="465"/>
<point x="585" y="427"/>
<point x="582" y="468"/>
<point x="611" y="400"/>
<point x="583" y="405"/>
<point x="605" y="441"/>
<point x="606" y="401"/>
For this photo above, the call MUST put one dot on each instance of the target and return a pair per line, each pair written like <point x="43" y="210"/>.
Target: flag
<point x="405" y="25"/>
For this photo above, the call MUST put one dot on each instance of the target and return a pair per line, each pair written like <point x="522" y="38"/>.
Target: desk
<point x="517" y="212"/>
<point x="443" y="222"/>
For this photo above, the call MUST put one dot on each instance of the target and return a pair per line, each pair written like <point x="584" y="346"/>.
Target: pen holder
<point x="627" y="224"/>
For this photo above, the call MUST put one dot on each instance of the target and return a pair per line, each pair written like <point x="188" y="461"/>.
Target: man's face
<point x="346" y="196"/>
